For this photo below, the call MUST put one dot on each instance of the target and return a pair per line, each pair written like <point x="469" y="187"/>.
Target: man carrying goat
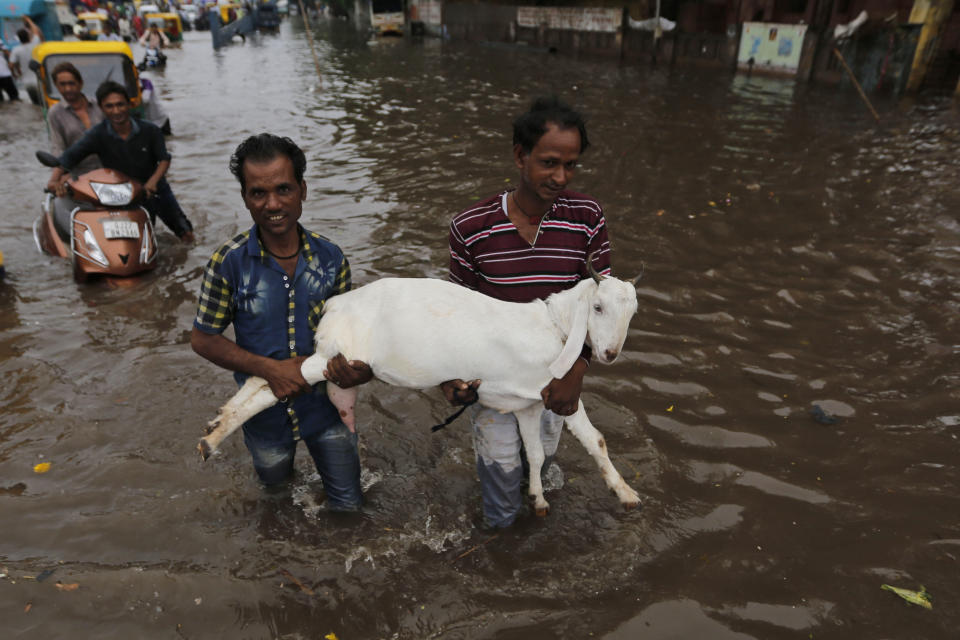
<point x="271" y="283"/>
<point x="519" y="246"/>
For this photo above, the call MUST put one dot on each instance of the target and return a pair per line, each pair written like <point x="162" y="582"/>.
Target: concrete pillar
<point x="932" y="14"/>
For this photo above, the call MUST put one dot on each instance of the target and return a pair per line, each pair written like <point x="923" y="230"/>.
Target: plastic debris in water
<point x="821" y="416"/>
<point x="42" y="467"/>
<point x="330" y="636"/>
<point x="920" y="598"/>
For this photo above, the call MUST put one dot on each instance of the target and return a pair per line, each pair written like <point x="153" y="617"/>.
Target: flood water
<point x="794" y="254"/>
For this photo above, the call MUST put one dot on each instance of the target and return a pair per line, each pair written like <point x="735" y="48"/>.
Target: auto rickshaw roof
<point x="83" y="47"/>
<point x="165" y="16"/>
<point x="91" y="15"/>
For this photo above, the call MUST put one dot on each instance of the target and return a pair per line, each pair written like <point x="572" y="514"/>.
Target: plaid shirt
<point x="274" y="315"/>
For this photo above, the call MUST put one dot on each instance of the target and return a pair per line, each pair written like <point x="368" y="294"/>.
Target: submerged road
<point x="787" y="403"/>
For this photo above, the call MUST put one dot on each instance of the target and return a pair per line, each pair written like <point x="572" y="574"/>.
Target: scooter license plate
<point x="120" y="229"/>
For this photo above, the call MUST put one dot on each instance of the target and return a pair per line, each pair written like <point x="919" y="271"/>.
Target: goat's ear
<point x="575" y="339"/>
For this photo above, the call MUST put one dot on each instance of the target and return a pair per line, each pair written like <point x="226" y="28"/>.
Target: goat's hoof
<point x="205" y="449"/>
<point x="631" y="505"/>
<point x="212" y="425"/>
<point x="542" y="510"/>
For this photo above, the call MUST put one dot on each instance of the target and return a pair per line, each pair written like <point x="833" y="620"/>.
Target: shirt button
<point x="289" y="318"/>
<point x="287" y="285"/>
<point x="285" y="277"/>
<point x="293" y="344"/>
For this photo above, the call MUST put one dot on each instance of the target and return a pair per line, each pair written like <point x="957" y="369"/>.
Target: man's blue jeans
<point x="334" y="451"/>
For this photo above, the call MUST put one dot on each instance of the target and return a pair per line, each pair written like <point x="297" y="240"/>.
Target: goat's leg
<point x="592" y="440"/>
<point x="345" y="400"/>
<point x="529" y="422"/>
<point x="252" y="398"/>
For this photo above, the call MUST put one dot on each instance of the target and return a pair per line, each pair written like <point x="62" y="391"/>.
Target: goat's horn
<point x="590" y="269"/>
<point x="636" y="280"/>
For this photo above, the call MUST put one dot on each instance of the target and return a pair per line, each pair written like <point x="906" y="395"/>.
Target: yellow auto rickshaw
<point x="169" y="23"/>
<point x="97" y="62"/>
<point x="92" y="22"/>
<point x="229" y="11"/>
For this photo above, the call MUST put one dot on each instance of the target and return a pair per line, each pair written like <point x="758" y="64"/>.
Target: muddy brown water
<point x="795" y="255"/>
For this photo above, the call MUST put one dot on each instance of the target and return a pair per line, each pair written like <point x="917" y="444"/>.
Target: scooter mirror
<point x="47" y="159"/>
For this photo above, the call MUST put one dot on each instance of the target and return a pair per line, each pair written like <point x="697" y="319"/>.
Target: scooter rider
<point x="153" y="38"/>
<point x="134" y="147"/>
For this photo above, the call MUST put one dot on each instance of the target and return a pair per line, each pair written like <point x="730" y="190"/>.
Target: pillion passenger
<point x="133" y="146"/>
<point x="70" y="118"/>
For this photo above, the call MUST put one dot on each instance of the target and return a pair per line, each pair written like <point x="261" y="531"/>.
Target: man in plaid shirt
<point x="271" y="282"/>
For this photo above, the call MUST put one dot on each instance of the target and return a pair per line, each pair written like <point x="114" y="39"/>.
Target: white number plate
<point x="120" y="229"/>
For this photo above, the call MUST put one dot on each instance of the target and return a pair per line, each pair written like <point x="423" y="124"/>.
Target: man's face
<point x="551" y="164"/>
<point x="273" y="196"/>
<point x="68" y="86"/>
<point x="116" y="108"/>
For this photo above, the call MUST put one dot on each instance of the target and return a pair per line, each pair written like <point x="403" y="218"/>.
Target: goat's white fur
<point x="419" y="332"/>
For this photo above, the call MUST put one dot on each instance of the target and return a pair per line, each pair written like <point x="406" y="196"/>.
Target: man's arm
<point x="283" y="376"/>
<point x="462" y="269"/>
<point x="150" y="186"/>
<point x="562" y="395"/>
<point x="34" y="29"/>
<point x="76" y="152"/>
<point x="462" y="272"/>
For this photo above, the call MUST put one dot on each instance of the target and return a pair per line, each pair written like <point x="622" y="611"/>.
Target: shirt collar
<point x="134" y="128"/>
<point x="255" y="247"/>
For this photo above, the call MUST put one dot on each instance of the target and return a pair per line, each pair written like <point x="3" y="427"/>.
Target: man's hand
<point x="150" y="187"/>
<point x="188" y="238"/>
<point x="54" y="185"/>
<point x="562" y="395"/>
<point x="460" y="392"/>
<point x="346" y="374"/>
<point x="60" y="188"/>
<point x="285" y="379"/>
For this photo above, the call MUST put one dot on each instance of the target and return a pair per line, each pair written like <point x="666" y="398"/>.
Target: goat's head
<point x="612" y="304"/>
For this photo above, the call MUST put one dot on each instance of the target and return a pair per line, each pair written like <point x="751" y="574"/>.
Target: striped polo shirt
<point x="488" y="254"/>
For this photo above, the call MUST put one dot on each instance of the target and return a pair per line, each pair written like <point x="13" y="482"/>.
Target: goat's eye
<point x="598" y="308"/>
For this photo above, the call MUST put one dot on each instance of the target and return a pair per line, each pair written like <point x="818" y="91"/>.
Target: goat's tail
<point x="252" y="398"/>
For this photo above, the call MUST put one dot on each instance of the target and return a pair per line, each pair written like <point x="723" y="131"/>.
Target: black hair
<point x="66" y="67"/>
<point x="24" y="36"/>
<point x="264" y="147"/>
<point x="109" y="87"/>
<point x="530" y="127"/>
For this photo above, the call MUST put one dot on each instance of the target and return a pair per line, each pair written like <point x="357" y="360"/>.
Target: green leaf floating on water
<point x="921" y="598"/>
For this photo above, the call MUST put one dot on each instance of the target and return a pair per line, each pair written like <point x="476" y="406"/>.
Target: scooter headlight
<point x="113" y="195"/>
<point x="93" y="249"/>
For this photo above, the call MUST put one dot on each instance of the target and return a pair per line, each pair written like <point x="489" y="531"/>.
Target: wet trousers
<point x="500" y="466"/>
<point x="335" y="453"/>
<point x="165" y="206"/>
<point x="8" y="86"/>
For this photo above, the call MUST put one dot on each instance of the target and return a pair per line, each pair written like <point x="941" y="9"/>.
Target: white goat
<point x="420" y="332"/>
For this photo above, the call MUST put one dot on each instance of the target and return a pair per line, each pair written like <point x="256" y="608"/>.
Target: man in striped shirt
<point x="524" y="245"/>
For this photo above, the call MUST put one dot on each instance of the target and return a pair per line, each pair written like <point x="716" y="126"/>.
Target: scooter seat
<point x="62" y="208"/>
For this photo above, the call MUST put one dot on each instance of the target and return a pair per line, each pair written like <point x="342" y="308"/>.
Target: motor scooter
<point x="97" y="227"/>
<point x="153" y="58"/>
